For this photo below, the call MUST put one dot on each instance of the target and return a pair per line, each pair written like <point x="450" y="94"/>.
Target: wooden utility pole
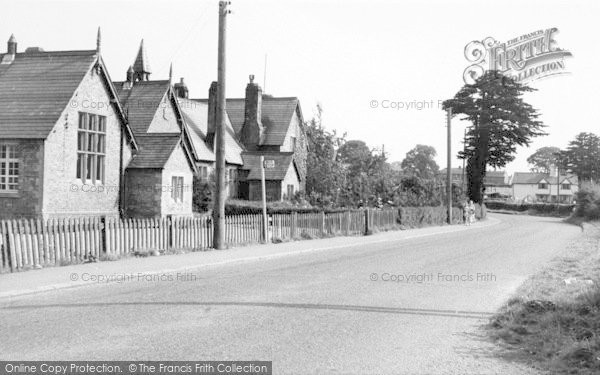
<point x="220" y="188"/>
<point x="449" y="166"/>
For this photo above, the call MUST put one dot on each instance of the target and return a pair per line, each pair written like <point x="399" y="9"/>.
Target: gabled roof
<point x="529" y="178"/>
<point x="141" y="102"/>
<point x="195" y="113"/>
<point x="155" y="149"/>
<point x="495" y="178"/>
<point x="453" y="171"/>
<point x="277" y="115"/>
<point x="282" y="163"/>
<point x="35" y="89"/>
<point x="568" y="179"/>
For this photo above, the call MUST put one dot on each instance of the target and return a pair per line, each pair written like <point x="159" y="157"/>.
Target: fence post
<point x="103" y="233"/>
<point x="366" y="221"/>
<point x="293" y="225"/>
<point x="322" y="223"/>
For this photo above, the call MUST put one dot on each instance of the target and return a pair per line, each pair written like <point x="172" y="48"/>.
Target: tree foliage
<point x="582" y="157"/>
<point x="325" y="173"/>
<point x="420" y="162"/>
<point x="500" y="121"/>
<point x="544" y="159"/>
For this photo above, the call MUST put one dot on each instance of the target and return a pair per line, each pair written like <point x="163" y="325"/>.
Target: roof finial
<point x="171" y="73"/>
<point x="141" y="66"/>
<point x="98" y="41"/>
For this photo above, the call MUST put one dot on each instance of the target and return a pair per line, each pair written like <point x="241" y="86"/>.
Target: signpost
<point x="268" y="164"/>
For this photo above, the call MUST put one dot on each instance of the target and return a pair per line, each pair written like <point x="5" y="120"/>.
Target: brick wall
<point x="143" y="192"/>
<point x="27" y="203"/>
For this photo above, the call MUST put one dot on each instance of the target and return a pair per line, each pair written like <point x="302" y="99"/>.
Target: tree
<point x="582" y="157"/>
<point x="544" y="159"/>
<point x="325" y="173"/>
<point x="420" y="162"/>
<point x="501" y="120"/>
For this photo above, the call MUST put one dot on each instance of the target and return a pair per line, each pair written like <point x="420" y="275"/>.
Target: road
<point x="333" y="311"/>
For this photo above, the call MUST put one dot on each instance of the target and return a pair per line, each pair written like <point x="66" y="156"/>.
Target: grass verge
<point x="553" y="322"/>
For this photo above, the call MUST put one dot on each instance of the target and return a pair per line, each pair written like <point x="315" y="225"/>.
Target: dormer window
<point x="542" y="186"/>
<point x="565" y="186"/>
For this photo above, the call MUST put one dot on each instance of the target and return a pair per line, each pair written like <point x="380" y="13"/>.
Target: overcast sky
<point x="342" y="54"/>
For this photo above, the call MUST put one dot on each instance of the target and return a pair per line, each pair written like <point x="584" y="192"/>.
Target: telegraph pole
<point x="264" y="200"/>
<point x="449" y="166"/>
<point x="219" y="202"/>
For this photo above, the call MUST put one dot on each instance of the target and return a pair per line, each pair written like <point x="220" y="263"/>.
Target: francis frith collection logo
<point x="526" y="58"/>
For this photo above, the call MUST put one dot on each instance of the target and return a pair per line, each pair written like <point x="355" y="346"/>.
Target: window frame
<point x="11" y="147"/>
<point x="91" y="148"/>
<point x="177" y="188"/>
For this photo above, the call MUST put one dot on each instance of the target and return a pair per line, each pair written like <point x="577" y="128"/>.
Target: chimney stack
<point x="12" y="45"/>
<point x="11" y="51"/>
<point x="128" y="84"/>
<point x="252" y="133"/>
<point x="181" y="90"/>
<point x="212" y="111"/>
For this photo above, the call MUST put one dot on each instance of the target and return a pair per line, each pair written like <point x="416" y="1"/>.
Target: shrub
<point x="588" y="201"/>
<point x="238" y="206"/>
<point x="202" y="194"/>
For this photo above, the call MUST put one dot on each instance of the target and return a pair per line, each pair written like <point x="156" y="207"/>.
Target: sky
<point x="352" y="57"/>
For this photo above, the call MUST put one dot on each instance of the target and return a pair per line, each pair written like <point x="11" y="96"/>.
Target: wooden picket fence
<point x="33" y="243"/>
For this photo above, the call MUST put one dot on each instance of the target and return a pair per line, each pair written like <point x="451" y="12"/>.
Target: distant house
<point x="274" y="128"/>
<point x="64" y="138"/>
<point x="200" y="117"/>
<point x="457" y="175"/>
<point x="257" y="125"/>
<point x="497" y="184"/>
<point x="159" y="179"/>
<point x="543" y="187"/>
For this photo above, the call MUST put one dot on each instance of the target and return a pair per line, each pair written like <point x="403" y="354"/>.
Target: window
<point x="293" y="143"/>
<point x="565" y="186"/>
<point x="290" y="191"/>
<point x="91" y="147"/>
<point x="542" y="185"/>
<point x="231" y="182"/>
<point x="177" y="188"/>
<point x="9" y="168"/>
<point x="204" y="173"/>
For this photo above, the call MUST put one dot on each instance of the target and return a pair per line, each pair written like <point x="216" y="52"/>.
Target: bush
<point x="588" y="201"/>
<point x="239" y="207"/>
<point x="202" y="194"/>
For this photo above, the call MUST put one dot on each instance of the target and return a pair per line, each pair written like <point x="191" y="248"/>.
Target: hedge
<point x="541" y="208"/>
<point x="422" y="216"/>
